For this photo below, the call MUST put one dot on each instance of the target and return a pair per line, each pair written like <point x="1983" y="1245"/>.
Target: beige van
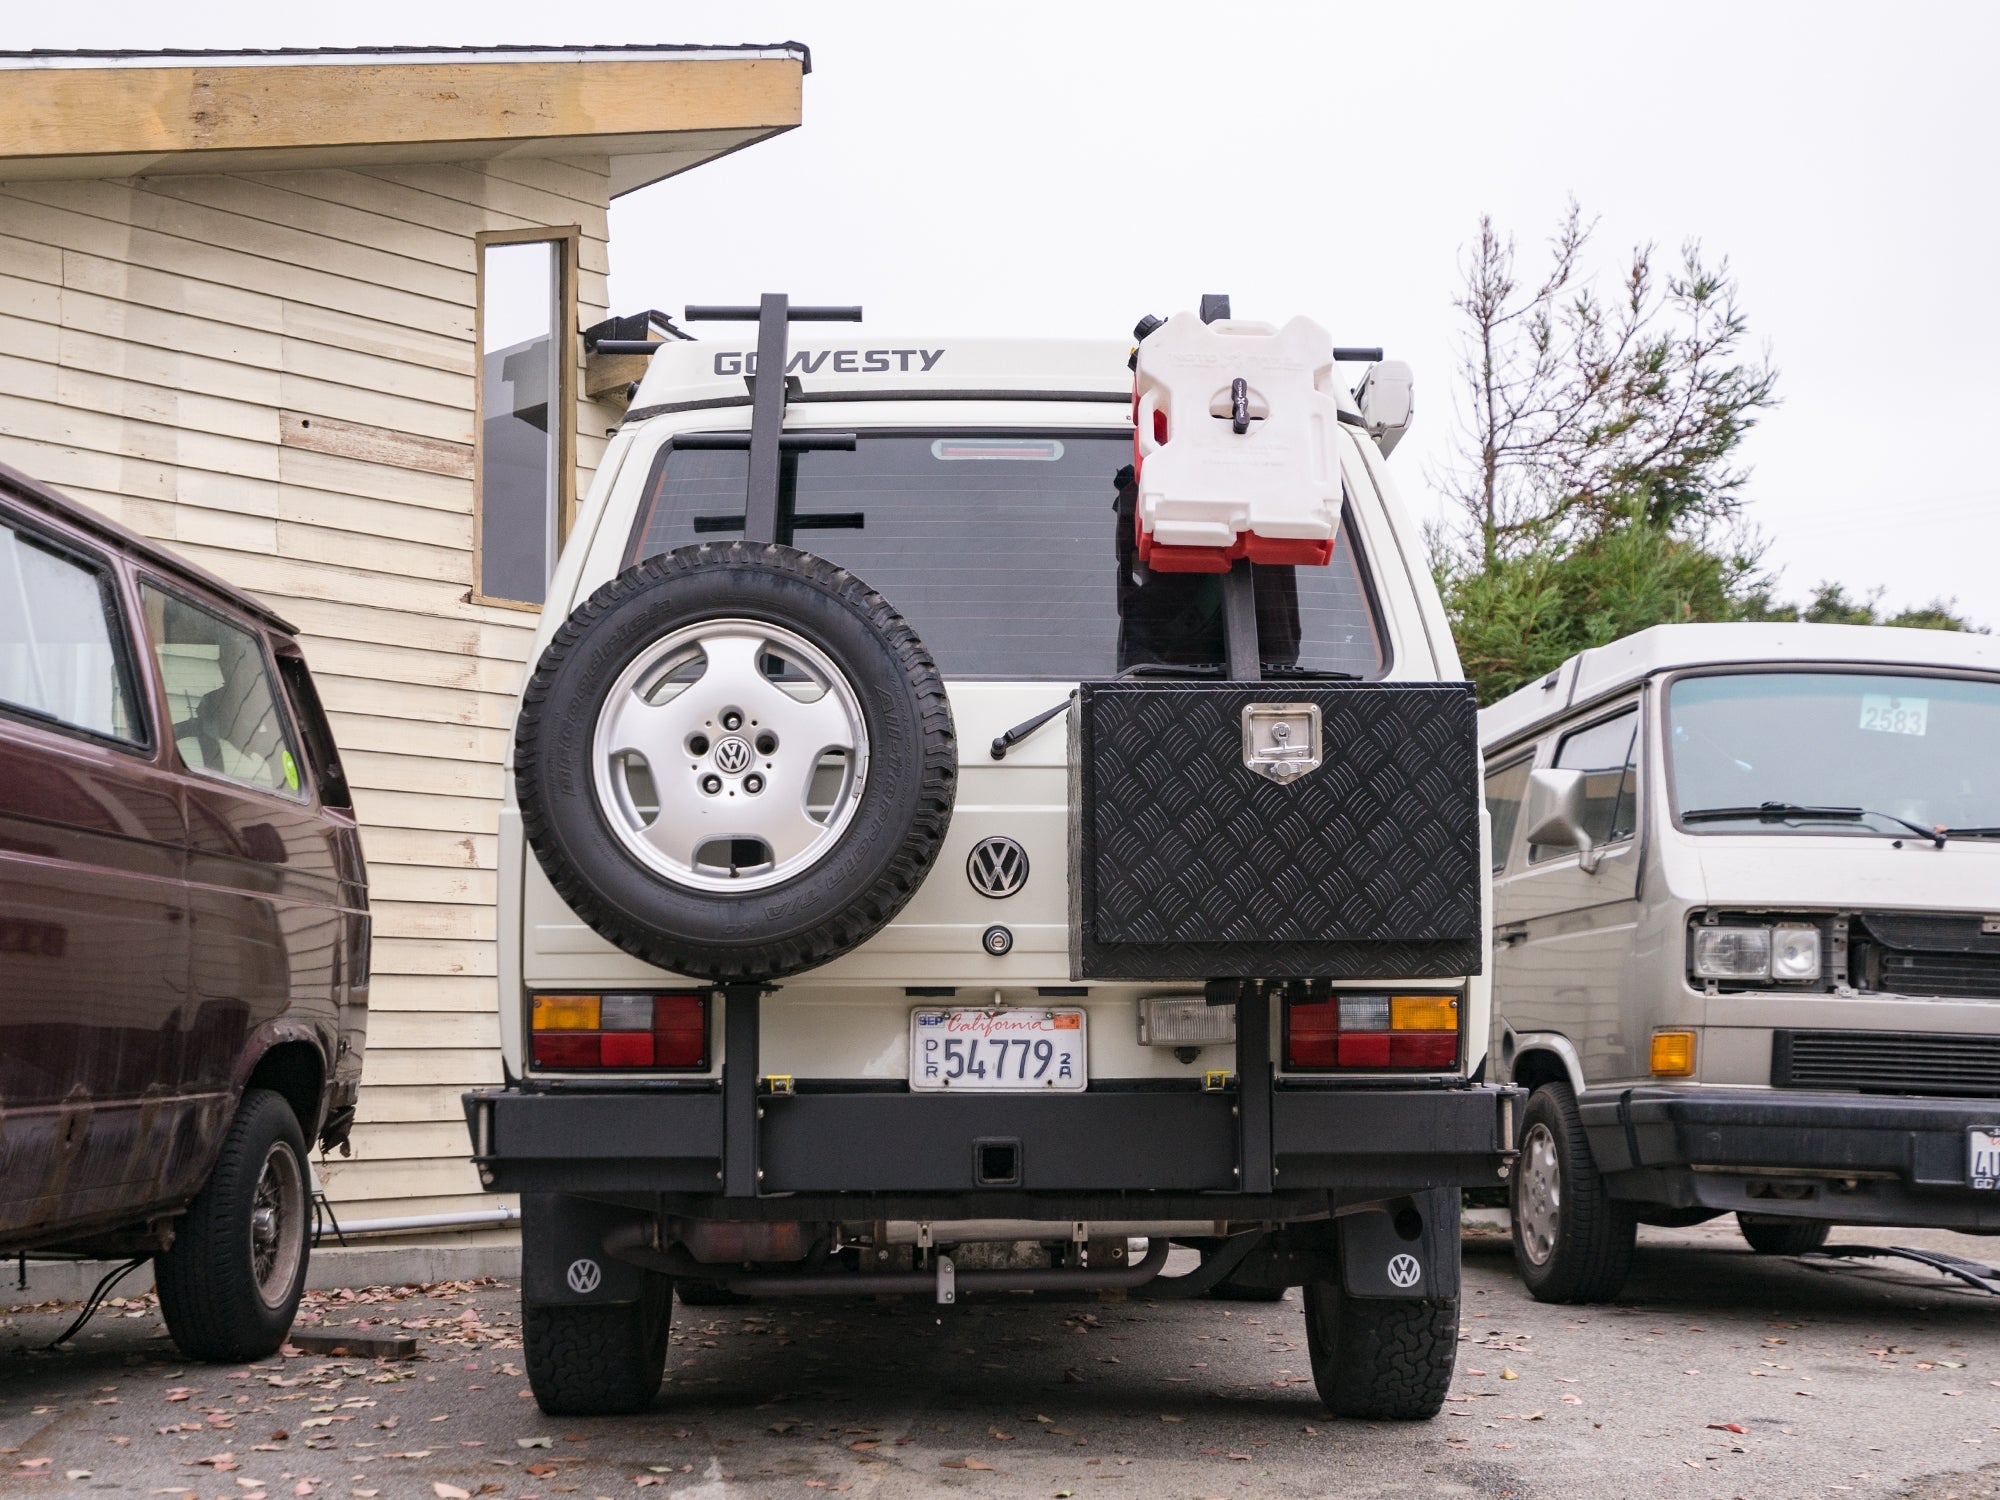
<point x="1746" y="939"/>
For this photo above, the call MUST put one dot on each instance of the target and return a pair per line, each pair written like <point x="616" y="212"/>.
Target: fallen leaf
<point x="1727" y="1427"/>
<point x="973" y="1463"/>
<point x="449" y="1491"/>
<point x="1507" y="1374"/>
<point x="76" y="1473"/>
<point x="535" y="1442"/>
<point x="1165" y="1418"/>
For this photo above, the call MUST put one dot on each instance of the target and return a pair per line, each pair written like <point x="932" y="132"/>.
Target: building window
<point x="526" y="410"/>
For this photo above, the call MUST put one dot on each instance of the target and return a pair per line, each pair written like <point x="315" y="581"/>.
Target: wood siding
<point x="273" y="373"/>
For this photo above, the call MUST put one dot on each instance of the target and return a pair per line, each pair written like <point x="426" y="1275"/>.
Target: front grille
<point x="1948" y="976"/>
<point x="1887" y="1062"/>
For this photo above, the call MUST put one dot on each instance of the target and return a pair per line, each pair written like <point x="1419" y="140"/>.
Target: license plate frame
<point x="995" y="1041"/>
<point x="1982" y="1158"/>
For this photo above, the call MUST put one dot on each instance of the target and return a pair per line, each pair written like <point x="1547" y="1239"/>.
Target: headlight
<point x="1735" y="953"/>
<point x="1794" y="953"/>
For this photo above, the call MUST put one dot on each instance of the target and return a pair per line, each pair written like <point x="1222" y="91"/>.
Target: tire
<point x="1783" y="1236"/>
<point x="603" y="1361"/>
<point x="703" y="891"/>
<point x="230" y="1283"/>
<point x="1380" y="1358"/>
<point x="1572" y="1241"/>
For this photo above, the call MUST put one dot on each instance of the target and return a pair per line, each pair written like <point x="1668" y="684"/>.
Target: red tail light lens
<point x="589" y="1032"/>
<point x="1402" y="1032"/>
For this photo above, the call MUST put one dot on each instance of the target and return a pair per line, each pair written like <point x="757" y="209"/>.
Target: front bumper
<point x="1848" y="1158"/>
<point x="1357" y="1143"/>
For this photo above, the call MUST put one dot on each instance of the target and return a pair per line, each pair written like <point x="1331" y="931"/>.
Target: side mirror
<point x="1555" y="814"/>
<point x="1387" y="400"/>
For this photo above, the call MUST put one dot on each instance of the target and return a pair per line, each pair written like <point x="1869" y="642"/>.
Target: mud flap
<point x="1409" y="1249"/>
<point x="562" y="1252"/>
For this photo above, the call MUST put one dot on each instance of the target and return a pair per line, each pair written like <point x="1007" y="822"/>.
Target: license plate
<point x="960" y="1049"/>
<point x="1983" y="1159"/>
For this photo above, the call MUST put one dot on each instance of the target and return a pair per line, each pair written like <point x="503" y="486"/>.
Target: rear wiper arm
<point x="1974" y="833"/>
<point x="1314" y="674"/>
<point x="1773" y="812"/>
<point x="1002" y="743"/>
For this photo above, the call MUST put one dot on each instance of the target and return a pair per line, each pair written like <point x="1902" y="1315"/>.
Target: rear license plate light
<point x="651" y="1032"/>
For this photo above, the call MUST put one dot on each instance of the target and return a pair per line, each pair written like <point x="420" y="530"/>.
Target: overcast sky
<point x="1061" y="168"/>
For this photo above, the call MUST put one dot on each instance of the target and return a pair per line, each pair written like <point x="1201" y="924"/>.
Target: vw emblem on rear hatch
<point x="732" y="756"/>
<point x="997" y="867"/>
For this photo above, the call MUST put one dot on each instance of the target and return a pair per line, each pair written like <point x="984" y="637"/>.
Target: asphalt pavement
<point x="1721" y="1373"/>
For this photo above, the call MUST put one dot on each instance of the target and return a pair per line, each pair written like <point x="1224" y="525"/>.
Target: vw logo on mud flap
<point x="997" y="867"/>
<point x="1404" y="1272"/>
<point x="733" y="756"/>
<point x="585" y="1274"/>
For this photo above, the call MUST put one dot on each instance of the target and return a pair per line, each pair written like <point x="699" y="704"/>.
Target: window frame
<point x="308" y="792"/>
<point x="1348" y="530"/>
<point x="1635" y="706"/>
<point x="568" y="239"/>
<point x="118" y="616"/>
<point x="1505" y="857"/>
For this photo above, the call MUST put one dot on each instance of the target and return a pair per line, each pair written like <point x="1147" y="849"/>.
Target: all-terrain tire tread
<point x="1381" y="1359"/>
<point x="887" y="895"/>
<point x="594" y="1361"/>
<point x="1597" y="1234"/>
<point x="212" y="1313"/>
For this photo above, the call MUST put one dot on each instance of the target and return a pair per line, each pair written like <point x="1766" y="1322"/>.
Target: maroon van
<point x="183" y="924"/>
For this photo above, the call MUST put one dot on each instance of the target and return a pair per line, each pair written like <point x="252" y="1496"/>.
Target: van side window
<point x="1607" y="754"/>
<point x="62" y="645"/>
<point x="219" y="693"/>
<point x="1505" y="790"/>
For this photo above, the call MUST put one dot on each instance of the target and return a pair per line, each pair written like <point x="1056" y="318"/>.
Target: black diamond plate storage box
<point x="1188" y="864"/>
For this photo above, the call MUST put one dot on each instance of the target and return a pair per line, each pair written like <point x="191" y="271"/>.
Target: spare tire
<point x="735" y="761"/>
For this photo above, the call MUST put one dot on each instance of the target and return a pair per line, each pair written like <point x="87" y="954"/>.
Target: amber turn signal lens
<point x="566" y="1013"/>
<point x="1423" y="1013"/>
<point x="1673" y="1054"/>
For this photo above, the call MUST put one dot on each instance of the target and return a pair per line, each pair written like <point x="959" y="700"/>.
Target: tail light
<point x="1372" y="1031"/>
<point x="575" y="1032"/>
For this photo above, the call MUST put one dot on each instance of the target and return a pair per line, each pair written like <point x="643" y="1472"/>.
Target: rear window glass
<point x="1011" y="555"/>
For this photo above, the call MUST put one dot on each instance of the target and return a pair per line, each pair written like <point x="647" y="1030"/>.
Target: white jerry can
<point x="1236" y="425"/>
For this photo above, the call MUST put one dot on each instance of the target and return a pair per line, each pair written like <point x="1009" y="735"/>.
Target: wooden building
<point x="313" y="319"/>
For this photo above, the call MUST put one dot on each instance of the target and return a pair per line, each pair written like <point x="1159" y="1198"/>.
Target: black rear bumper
<point x="1850" y="1158"/>
<point x="1164" y="1143"/>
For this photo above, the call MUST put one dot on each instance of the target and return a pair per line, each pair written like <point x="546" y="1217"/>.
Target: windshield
<point x="1918" y="748"/>
<point x="1012" y="555"/>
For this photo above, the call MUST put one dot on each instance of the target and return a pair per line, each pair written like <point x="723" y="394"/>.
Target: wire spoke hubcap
<point x="1538" y="1205"/>
<point x="730" y="756"/>
<point x="277" y="1225"/>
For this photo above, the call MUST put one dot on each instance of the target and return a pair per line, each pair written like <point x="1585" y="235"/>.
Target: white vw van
<point x="1746" y="931"/>
<point x="908" y="889"/>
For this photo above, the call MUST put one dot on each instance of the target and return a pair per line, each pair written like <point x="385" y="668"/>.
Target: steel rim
<point x="730" y="756"/>
<point x="1538" y="1205"/>
<point x="277" y="1225"/>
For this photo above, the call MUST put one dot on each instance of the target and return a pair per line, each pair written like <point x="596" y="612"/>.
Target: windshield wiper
<point x="1173" y="669"/>
<point x="1217" y="669"/>
<point x="1774" y="812"/>
<point x="1002" y="743"/>
<point x="1974" y="833"/>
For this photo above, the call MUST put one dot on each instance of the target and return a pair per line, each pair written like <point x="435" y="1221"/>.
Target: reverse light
<point x="1673" y="1054"/>
<point x="1372" y="1031"/>
<point x="575" y="1032"/>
